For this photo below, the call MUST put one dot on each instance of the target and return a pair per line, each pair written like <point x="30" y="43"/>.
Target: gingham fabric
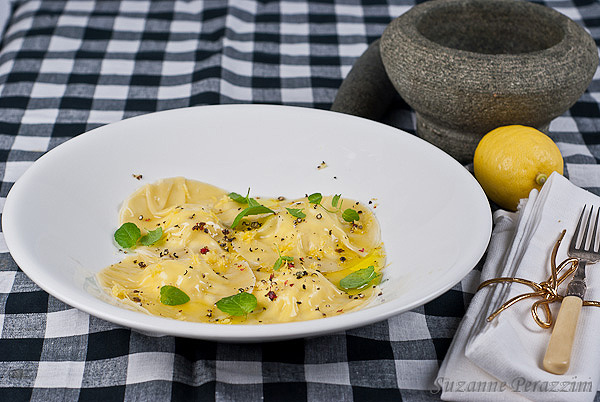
<point x="69" y="66"/>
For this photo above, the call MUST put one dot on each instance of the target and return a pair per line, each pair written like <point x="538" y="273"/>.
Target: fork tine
<point x="573" y="244"/>
<point x="583" y="244"/>
<point x="593" y="241"/>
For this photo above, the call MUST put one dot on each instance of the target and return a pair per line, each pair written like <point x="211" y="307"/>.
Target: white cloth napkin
<point x="502" y="360"/>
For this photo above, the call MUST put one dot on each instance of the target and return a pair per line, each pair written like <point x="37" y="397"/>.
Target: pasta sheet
<point x="200" y="254"/>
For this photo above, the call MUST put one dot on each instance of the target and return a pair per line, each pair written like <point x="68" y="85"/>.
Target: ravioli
<point x="202" y="255"/>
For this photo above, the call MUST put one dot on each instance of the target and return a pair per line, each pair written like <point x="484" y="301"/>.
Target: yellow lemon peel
<point x="512" y="160"/>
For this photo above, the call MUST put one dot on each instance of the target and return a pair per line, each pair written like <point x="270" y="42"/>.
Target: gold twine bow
<point x="547" y="290"/>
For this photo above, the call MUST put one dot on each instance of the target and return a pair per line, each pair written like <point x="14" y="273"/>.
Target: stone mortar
<point x="366" y="91"/>
<point x="469" y="66"/>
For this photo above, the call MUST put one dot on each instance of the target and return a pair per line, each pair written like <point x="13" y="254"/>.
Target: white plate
<point x="60" y="216"/>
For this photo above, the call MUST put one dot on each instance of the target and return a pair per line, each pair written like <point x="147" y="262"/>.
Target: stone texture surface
<point x="469" y="66"/>
<point x="366" y="91"/>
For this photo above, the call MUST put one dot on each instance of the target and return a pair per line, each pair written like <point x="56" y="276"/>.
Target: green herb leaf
<point x="280" y="260"/>
<point x="296" y="212"/>
<point x="172" y="296"/>
<point x="358" y="279"/>
<point x="335" y="200"/>
<point x="127" y="235"/>
<point x="152" y="237"/>
<point x="315" y="198"/>
<point x="238" y="304"/>
<point x="252" y="202"/>
<point x="350" y="215"/>
<point x="238" y="198"/>
<point x="254" y="210"/>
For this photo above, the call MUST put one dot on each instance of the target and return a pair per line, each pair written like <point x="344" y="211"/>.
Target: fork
<point x="558" y="354"/>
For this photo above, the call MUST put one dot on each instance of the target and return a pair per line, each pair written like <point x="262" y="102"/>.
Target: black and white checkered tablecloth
<point x="69" y="66"/>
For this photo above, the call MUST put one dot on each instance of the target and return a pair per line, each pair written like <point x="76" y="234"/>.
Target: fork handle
<point x="558" y="354"/>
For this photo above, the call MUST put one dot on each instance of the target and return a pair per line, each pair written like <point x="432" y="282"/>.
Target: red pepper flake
<point x="362" y="250"/>
<point x="285" y="283"/>
<point x="271" y="277"/>
<point x="199" y="226"/>
<point x="340" y="310"/>
<point x="271" y="295"/>
<point x="290" y="264"/>
<point x="204" y="250"/>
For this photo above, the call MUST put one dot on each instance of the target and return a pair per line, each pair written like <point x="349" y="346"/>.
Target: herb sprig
<point x="239" y="304"/>
<point x="358" y="279"/>
<point x="296" y="212"/>
<point x="349" y="214"/>
<point x="173" y="296"/>
<point x="128" y="234"/>
<point x="254" y="207"/>
<point x="253" y="210"/>
<point x="238" y="198"/>
<point x="151" y="237"/>
<point x="281" y="260"/>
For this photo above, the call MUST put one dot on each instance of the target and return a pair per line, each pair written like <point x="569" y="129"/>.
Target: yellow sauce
<point x="201" y="255"/>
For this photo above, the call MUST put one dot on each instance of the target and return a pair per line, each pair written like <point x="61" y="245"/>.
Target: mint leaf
<point x="315" y="198"/>
<point x="127" y="235"/>
<point x="238" y="304"/>
<point x="358" y="279"/>
<point x="296" y="212"/>
<point x="254" y="210"/>
<point x="172" y="296"/>
<point x="335" y="200"/>
<point x="350" y="215"/>
<point x="238" y="198"/>
<point x="280" y="260"/>
<point x="152" y="237"/>
<point x="252" y="202"/>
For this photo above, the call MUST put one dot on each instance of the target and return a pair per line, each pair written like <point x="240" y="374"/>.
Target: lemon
<point x="510" y="161"/>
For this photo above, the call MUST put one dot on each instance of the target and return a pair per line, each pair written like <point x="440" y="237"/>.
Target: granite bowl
<point x="469" y="66"/>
